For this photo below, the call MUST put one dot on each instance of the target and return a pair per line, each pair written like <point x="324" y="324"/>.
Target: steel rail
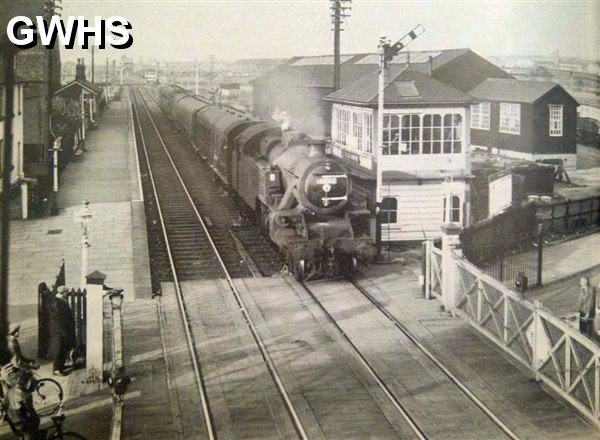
<point x="397" y="404"/>
<point x="180" y="301"/>
<point x="436" y="361"/>
<point x="264" y="352"/>
<point x="247" y="259"/>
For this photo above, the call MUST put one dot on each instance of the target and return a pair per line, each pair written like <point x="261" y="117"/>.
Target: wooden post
<point x="537" y="326"/>
<point x="94" y="326"/>
<point x="449" y="270"/>
<point x="423" y="276"/>
<point x="428" y="257"/>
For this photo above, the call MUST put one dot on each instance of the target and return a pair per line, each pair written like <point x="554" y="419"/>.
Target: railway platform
<point x="106" y="175"/>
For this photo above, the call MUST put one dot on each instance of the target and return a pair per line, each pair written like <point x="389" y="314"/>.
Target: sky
<point x="178" y="30"/>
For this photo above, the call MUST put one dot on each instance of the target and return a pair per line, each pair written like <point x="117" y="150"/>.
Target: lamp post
<point x="56" y="147"/>
<point x="85" y="215"/>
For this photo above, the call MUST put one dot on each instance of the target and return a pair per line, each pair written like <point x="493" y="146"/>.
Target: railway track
<point x="420" y="431"/>
<point x="219" y="212"/>
<point x="196" y="249"/>
<point x="187" y="238"/>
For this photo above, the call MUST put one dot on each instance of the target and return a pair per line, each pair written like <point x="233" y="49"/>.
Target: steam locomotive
<point x="297" y="194"/>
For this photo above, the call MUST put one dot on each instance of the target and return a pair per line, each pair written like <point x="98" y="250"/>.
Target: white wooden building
<point x="426" y="140"/>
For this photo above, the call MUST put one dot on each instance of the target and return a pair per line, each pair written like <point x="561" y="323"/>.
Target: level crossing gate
<point x="566" y="361"/>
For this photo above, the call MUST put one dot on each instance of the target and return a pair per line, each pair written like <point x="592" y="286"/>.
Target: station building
<point x="425" y="166"/>
<point x="530" y="120"/>
<point x="88" y="95"/>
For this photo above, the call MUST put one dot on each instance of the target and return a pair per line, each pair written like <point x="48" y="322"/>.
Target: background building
<point x="531" y="120"/>
<point x="298" y="86"/>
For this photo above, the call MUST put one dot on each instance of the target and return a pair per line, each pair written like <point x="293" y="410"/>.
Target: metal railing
<point x="558" y="355"/>
<point x="567" y="217"/>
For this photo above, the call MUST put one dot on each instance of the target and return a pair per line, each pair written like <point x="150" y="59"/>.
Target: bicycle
<point x="47" y="397"/>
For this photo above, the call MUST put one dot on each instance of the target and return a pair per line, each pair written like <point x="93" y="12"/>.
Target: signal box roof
<point x="406" y="87"/>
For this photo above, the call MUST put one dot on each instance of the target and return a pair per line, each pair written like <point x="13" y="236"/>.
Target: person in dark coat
<point x="62" y="331"/>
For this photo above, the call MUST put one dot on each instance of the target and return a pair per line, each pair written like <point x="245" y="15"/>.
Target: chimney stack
<point x="80" y="70"/>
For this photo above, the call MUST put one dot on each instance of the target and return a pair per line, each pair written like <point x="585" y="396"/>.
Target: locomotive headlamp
<point x="327" y="167"/>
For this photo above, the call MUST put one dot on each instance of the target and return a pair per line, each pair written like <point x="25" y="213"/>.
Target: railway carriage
<point x="299" y="196"/>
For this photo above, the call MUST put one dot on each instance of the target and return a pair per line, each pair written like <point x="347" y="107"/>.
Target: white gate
<point x="433" y="271"/>
<point x="557" y="354"/>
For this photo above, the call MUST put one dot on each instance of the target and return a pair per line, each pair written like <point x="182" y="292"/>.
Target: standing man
<point x="62" y="331"/>
<point x="586" y="305"/>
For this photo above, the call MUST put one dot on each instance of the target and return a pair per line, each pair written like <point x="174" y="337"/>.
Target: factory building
<point x="425" y="166"/>
<point x="531" y="120"/>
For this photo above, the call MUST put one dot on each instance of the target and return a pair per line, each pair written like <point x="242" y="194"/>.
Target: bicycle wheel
<point x="66" y="435"/>
<point x="47" y="397"/>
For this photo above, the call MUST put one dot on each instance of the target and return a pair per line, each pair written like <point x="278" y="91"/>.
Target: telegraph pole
<point x="387" y="52"/>
<point x="337" y="17"/>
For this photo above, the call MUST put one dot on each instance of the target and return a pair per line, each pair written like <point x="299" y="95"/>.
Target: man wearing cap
<point x="62" y="331"/>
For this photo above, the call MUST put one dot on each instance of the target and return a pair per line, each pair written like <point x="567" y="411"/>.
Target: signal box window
<point x="452" y="209"/>
<point x="389" y="210"/>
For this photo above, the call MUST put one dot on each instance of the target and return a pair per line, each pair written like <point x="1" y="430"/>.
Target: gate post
<point x="94" y="326"/>
<point x="450" y="240"/>
<point x="427" y="280"/>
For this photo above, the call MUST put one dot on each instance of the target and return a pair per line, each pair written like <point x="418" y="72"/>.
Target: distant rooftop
<point x="317" y="71"/>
